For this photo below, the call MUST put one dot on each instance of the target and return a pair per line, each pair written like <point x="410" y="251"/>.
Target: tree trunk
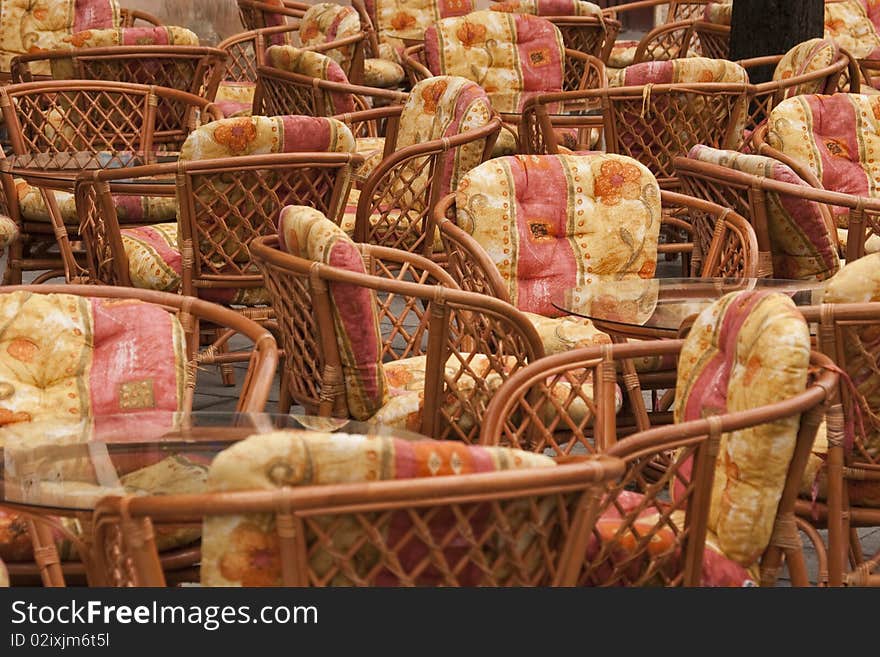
<point x="773" y="27"/>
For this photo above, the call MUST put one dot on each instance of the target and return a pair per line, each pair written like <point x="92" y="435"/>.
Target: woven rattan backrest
<point x="733" y="250"/>
<point x="280" y="92"/>
<point x="246" y="51"/>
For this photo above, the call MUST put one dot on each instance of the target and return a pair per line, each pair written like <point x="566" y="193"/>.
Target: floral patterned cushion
<point x="235" y="98"/>
<point x="623" y="54"/>
<point x="63" y="354"/>
<point x="129" y="209"/>
<point x="166" y="35"/>
<point x="835" y="137"/>
<point x="561" y="334"/>
<point x="243" y="550"/>
<point x="746" y="350"/>
<point x="325" y="22"/>
<point x="556" y="222"/>
<point x="8" y="231"/>
<point x="872" y="9"/>
<point x="804" y="58"/>
<point x="801" y="241"/>
<point x="847" y="24"/>
<point x="27" y="27"/>
<point x="307" y="233"/>
<point x="718" y="13"/>
<point x="382" y="73"/>
<point x="314" y="65"/>
<point x="548" y="7"/>
<point x="499" y="51"/>
<point x="689" y="69"/>
<point x="411" y="17"/>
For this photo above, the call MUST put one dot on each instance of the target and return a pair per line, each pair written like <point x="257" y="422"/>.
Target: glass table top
<point x="664" y="304"/>
<point x="68" y="464"/>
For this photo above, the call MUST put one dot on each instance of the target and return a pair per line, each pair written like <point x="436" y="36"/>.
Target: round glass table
<point x="54" y="471"/>
<point x="664" y="307"/>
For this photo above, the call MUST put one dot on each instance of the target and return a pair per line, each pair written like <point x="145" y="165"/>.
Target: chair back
<point x="258" y="14"/>
<point x="288" y="82"/>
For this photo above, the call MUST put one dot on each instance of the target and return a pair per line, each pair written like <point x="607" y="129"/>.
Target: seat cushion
<point x="412" y="18"/>
<point x="63" y="354"/>
<point x="325" y="22"/>
<point x="9" y="232"/>
<point x="548" y="7"/>
<point x="314" y="65"/>
<point x="801" y="241"/>
<point x="235" y="98"/>
<point x="129" y="209"/>
<point x="557" y="222"/>
<point x="372" y="148"/>
<point x="718" y="13"/>
<point x="690" y="69"/>
<point x="154" y="263"/>
<point x="805" y="58"/>
<point x="243" y="550"/>
<point x="834" y="137"/>
<point x="28" y="26"/>
<point x="383" y="73"/>
<point x="500" y="51"/>
<point x="847" y="24"/>
<point x="561" y="334"/>
<point x="746" y="350"/>
<point x="623" y="54"/>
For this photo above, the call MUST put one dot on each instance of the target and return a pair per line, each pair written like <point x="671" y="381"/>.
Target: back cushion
<point x="243" y="550"/>
<point x="557" y="222"/>
<point x="746" y="350"/>
<point x="859" y="282"/>
<point x="411" y="18"/>
<point x="847" y="24"/>
<point x="835" y="138"/>
<point x="308" y="234"/>
<point x="67" y="355"/>
<point x="690" y="69"/>
<point x="439" y="107"/>
<point x="718" y="13"/>
<point x="29" y="26"/>
<point x="548" y="7"/>
<point x="314" y="65"/>
<point x="326" y="22"/>
<point x="801" y="241"/>
<point x="260" y="135"/>
<point x="499" y="51"/>
<point x="804" y="58"/>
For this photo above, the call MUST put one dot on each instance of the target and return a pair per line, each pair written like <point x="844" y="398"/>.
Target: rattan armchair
<point x="490" y="528"/>
<point x="130" y="17"/>
<point x="256" y="14"/>
<point x="653" y="522"/>
<point x="62" y="126"/>
<point x="439" y="351"/>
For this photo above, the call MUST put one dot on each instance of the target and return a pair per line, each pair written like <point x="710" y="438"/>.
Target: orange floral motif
<point x="22" y="350"/>
<point x="80" y="38"/>
<point x="835" y="26"/>
<point x="648" y="269"/>
<point x="707" y="76"/>
<point x="236" y="135"/>
<point x="432" y="94"/>
<point x="471" y="34"/>
<point x="11" y="417"/>
<point x="253" y="558"/>
<point x="509" y="7"/>
<point x="837" y="148"/>
<point x="618" y="181"/>
<point x="540" y="57"/>
<point x="41" y="13"/>
<point x="308" y="33"/>
<point x="402" y="21"/>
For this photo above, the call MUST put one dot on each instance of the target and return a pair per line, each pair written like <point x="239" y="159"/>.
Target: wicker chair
<point x="653" y="523"/>
<point x="257" y="14"/>
<point x="479" y="523"/>
<point x="225" y="199"/>
<point x="653" y="113"/>
<point x="387" y="336"/>
<point x="95" y="124"/>
<point x="175" y="359"/>
<point x="842" y="162"/>
<point x="468" y="46"/>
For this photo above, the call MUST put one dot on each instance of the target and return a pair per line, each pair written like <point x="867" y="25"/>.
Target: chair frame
<point x="658" y="452"/>
<point x="124" y="526"/>
<point x="22" y="105"/>
<point x="458" y="325"/>
<point x="253" y="12"/>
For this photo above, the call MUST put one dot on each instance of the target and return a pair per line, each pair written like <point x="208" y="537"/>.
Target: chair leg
<point x="227" y="372"/>
<point x="285" y="401"/>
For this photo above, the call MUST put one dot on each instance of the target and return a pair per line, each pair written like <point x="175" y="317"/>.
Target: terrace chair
<point x="710" y="500"/>
<point x="376" y="333"/>
<point x="257" y="14"/>
<point x="653" y="112"/>
<point x="796" y="235"/>
<point x="232" y="179"/>
<point x="82" y="124"/>
<point x="841" y="486"/>
<point x="451" y="515"/>
<point x="512" y="56"/>
<point x="827" y="141"/>
<point x="97" y="366"/>
<point x="166" y="56"/>
<point x="445" y="128"/>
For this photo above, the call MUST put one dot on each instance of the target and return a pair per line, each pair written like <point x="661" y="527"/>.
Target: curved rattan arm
<point x="410" y="177"/>
<point x="670" y="41"/>
<point x="287" y="8"/>
<point x="370" y="122"/>
<point x="583" y="71"/>
<point x="414" y="62"/>
<point x="128" y="17"/>
<point x="264" y="357"/>
<point x="564" y="496"/>
<point x="255" y="34"/>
